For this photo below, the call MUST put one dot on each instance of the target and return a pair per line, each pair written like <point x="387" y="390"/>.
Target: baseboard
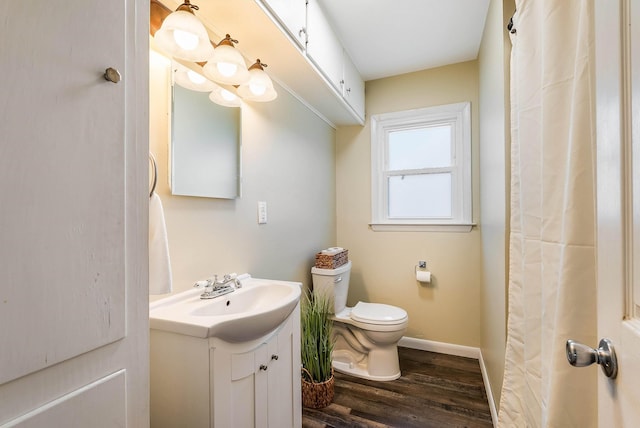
<point x="487" y="387"/>
<point x="459" y="351"/>
<point x="440" y="347"/>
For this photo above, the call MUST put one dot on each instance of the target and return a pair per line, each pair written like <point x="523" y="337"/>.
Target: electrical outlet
<point x="262" y="212"/>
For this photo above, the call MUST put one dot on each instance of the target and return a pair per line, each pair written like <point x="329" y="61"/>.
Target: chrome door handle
<point x="580" y="355"/>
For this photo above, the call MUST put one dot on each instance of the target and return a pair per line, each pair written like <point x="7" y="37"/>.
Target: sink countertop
<point x="253" y="310"/>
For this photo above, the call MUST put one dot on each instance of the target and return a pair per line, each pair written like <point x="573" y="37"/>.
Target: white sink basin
<point x="248" y="313"/>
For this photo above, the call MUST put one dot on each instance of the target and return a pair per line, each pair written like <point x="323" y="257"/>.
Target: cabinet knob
<point x="349" y="90"/>
<point x="263" y="367"/>
<point x="274" y="357"/>
<point x="302" y="32"/>
<point x="112" y="75"/>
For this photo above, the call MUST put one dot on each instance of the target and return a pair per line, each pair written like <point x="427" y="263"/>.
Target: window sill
<point x="434" y="227"/>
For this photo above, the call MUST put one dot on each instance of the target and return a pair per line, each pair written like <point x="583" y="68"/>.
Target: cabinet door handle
<point x="263" y="367"/>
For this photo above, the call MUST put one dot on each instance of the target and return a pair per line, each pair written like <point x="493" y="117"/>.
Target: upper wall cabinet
<point x="292" y="15"/>
<point x="326" y="52"/>
<point x="323" y="47"/>
<point x="313" y="72"/>
<point x="352" y="85"/>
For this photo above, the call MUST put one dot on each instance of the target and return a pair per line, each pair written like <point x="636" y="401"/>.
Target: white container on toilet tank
<point x="367" y="335"/>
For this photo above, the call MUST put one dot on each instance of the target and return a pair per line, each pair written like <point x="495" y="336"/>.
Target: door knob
<point x="580" y="355"/>
<point x="112" y="75"/>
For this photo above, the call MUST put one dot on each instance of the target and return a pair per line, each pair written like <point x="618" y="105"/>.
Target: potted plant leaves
<point x="316" y="347"/>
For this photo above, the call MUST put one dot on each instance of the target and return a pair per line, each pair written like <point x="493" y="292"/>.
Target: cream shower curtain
<point x="552" y="243"/>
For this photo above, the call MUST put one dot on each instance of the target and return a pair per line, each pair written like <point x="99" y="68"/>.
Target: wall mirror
<point x="205" y="146"/>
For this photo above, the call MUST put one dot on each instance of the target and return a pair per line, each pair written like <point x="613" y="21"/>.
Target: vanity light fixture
<point x="226" y="65"/>
<point x="173" y="31"/>
<point x="224" y="97"/>
<point x="192" y="80"/>
<point x="259" y="87"/>
<point x="183" y="36"/>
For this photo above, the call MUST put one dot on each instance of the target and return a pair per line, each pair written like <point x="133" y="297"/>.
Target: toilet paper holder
<point x="421" y="272"/>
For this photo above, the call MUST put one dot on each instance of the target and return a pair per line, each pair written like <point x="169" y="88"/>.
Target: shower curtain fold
<point x="552" y="240"/>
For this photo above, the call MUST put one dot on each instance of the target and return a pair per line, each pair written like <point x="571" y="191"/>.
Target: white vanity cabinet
<point x="258" y="387"/>
<point x="207" y="382"/>
<point x="292" y="15"/>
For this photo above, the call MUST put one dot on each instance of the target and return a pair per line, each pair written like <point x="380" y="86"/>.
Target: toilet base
<point x="379" y="364"/>
<point x="354" y="370"/>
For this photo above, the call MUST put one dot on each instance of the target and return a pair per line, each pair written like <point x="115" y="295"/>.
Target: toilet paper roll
<point x="332" y="251"/>
<point x="423" y="276"/>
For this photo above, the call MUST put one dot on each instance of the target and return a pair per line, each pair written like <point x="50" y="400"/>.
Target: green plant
<point x="317" y="340"/>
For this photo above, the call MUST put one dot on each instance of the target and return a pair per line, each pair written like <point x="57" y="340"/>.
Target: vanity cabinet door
<point x="236" y="380"/>
<point x="280" y="379"/>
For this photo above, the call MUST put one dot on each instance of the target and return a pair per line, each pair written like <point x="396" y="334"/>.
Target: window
<point x="421" y="169"/>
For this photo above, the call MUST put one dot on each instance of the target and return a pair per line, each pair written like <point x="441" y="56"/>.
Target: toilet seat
<point x="397" y="318"/>
<point x="378" y="313"/>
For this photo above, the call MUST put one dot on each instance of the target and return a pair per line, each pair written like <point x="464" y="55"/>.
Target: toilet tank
<point x="334" y="283"/>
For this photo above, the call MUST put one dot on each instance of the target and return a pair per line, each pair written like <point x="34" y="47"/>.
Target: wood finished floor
<point x="435" y="390"/>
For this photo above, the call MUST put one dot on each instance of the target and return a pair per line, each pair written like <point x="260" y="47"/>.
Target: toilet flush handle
<point x="337" y="280"/>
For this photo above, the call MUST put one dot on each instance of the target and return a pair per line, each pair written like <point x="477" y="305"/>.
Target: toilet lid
<point x="378" y="313"/>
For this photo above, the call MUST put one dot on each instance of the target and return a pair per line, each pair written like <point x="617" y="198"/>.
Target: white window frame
<point x="459" y="117"/>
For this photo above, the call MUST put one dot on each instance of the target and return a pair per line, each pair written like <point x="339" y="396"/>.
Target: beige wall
<point x="288" y="160"/>
<point x="494" y="186"/>
<point x="448" y="310"/>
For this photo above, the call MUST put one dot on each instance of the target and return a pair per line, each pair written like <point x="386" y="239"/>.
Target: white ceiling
<point x="390" y="37"/>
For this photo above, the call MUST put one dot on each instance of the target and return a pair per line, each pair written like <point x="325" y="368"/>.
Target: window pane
<point x="420" y="196"/>
<point x="428" y="147"/>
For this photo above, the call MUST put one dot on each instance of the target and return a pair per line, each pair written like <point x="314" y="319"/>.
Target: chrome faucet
<point x="224" y="282"/>
<point x="214" y="288"/>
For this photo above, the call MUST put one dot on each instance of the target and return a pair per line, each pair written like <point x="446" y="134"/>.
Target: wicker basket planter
<point x="317" y="395"/>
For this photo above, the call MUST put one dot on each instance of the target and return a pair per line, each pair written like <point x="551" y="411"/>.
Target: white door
<point x="73" y="214"/>
<point x="618" y="205"/>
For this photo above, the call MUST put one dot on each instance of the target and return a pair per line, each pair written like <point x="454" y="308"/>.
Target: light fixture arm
<point x="188" y="7"/>
<point x="258" y="65"/>
<point x="228" y="41"/>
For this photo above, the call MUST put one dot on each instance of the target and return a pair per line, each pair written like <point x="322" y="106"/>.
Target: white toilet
<point x="367" y="335"/>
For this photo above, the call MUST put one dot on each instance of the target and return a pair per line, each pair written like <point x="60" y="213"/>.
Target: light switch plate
<point x="262" y="212"/>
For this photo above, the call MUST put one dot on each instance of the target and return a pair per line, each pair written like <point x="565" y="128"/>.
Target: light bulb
<point x="257" y="89"/>
<point x="227" y="95"/>
<point x="227" y="69"/>
<point x="186" y="40"/>
<point x="196" y="78"/>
